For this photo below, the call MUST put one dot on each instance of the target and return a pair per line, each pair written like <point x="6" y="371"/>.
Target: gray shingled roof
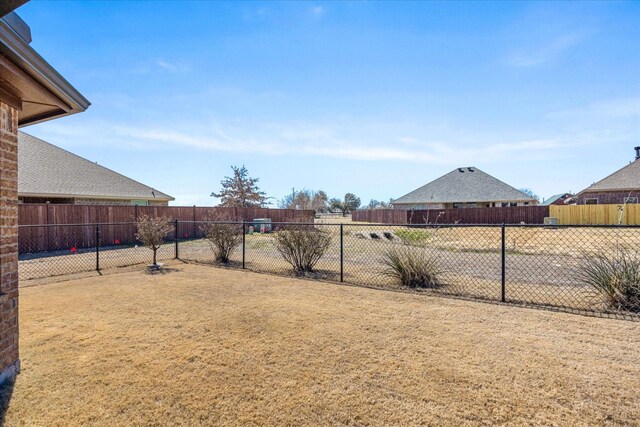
<point x="47" y="170"/>
<point x="627" y="178"/>
<point x="464" y="185"/>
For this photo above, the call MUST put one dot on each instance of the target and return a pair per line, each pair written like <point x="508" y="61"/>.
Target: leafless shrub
<point x="302" y="246"/>
<point x="223" y="235"/>
<point x="152" y="231"/>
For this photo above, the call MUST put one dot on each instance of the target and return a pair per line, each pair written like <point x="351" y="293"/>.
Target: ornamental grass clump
<point x="411" y="267"/>
<point x="223" y="234"/>
<point x="616" y="277"/>
<point x="302" y="246"/>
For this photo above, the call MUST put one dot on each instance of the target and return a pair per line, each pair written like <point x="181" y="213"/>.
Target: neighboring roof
<point x="464" y="185"/>
<point x="46" y="170"/>
<point x="551" y="200"/>
<point x="33" y="86"/>
<point x="625" y="179"/>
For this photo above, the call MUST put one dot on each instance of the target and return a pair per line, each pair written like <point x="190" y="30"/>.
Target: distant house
<point x="621" y="187"/>
<point x="49" y="174"/>
<point x="466" y="187"/>
<point x="558" y="199"/>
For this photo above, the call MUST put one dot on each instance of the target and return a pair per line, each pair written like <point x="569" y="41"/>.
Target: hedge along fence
<point x="506" y="215"/>
<point x="36" y="233"/>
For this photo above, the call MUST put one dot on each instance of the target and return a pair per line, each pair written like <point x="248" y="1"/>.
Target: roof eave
<point x="91" y="196"/>
<point x="29" y="61"/>
<point x="8" y="6"/>
<point x="431" y="202"/>
<point x="606" y="190"/>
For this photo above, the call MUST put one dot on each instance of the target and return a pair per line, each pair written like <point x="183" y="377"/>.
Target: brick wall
<point x="608" y="197"/>
<point x="9" y="361"/>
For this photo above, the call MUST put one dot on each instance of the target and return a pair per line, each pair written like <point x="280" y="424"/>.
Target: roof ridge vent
<point x="461" y="170"/>
<point x="470" y="169"/>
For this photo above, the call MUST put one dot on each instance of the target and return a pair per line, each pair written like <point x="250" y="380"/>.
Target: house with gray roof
<point x="467" y="187"/>
<point x="621" y="187"/>
<point x="49" y="174"/>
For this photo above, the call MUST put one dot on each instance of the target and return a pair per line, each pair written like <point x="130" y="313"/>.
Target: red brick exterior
<point x="608" y="197"/>
<point x="9" y="361"/>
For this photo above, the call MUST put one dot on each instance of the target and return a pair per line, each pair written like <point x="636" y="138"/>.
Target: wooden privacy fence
<point x="38" y="232"/>
<point x="42" y="214"/>
<point x="506" y="215"/>
<point x="597" y="214"/>
<point x="380" y="216"/>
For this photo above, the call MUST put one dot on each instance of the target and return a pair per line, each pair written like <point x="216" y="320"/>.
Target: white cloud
<point x="171" y="67"/>
<point x="611" y="108"/>
<point x="438" y="142"/>
<point x="255" y="14"/>
<point x="355" y="141"/>
<point x="541" y="54"/>
<point x="160" y="64"/>
<point x="317" y="11"/>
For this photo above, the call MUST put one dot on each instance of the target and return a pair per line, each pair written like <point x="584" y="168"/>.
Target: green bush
<point x="302" y="246"/>
<point x="411" y="267"/>
<point x="615" y="277"/>
<point x="413" y="236"/>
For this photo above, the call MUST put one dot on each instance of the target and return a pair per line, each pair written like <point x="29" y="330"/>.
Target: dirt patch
<point x="206" y="346"/>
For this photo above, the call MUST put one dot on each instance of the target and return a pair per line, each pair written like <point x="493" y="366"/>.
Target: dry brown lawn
<point x="202" y="346"/>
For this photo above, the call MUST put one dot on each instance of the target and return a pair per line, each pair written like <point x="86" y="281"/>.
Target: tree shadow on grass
<point x="6" y="391"/>
<point x="162" y="270"/>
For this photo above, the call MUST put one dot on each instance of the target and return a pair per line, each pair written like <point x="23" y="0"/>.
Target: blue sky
<point x="370" y="98"/>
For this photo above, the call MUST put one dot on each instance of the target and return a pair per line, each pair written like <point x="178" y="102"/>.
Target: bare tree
<point x="240" y="190"/>
<point x="375" y="204"/>
<point x="152" y="231"/>
<point x="305" y="199"/>
<point x="529" y="192"/>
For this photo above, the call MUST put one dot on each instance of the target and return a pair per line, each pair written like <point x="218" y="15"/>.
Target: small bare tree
<point x="152" y="231"/>
<point x="223" y="234"/>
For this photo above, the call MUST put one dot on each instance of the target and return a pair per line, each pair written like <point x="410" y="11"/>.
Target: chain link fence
<point x="584" y="269"/>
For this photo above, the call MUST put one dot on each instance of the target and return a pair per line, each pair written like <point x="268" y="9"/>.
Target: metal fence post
<point x="176" y="237"/>
<point x="503" y="299"/>
<point x="342" y="252"/>
<point x="97" y="247"/>
<point x="243" y="243"/>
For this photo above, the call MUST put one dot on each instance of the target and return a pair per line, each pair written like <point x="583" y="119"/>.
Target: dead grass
<point x="564" y="241"/>
<point x="203" y="346"/>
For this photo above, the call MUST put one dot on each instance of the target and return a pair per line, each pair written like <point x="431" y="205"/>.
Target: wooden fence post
<point x="194" y="221"/>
